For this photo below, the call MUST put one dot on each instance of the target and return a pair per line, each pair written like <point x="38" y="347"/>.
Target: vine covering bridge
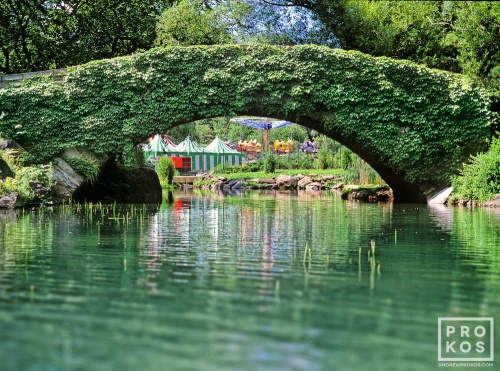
<point x="413" y="125"/>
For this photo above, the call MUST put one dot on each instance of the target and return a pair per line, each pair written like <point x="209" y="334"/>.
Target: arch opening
<point x="403" y="192"/>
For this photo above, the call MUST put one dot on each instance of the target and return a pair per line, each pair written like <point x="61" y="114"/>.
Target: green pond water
<point x="207" y="282"/>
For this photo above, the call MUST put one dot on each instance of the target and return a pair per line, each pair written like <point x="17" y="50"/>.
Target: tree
<point x="165" y="169"/>
<point x="411" y="30"/>
<point x="190" y="23"/>
<point x="269" y="24"/>
<point x="179" y="133"/>
<point x="476" y="35"/>
<point x="460" y="36"/>
<point x="44" y="34"/>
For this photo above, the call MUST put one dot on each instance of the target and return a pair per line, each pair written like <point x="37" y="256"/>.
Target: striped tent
<point x="218" y="152"/>
<point x="192" y="149"/>
<point x="168" y="141"/>
<point x="156" y="148"/>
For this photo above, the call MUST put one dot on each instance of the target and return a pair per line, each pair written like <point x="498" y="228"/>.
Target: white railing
<point x="17" y="78"/>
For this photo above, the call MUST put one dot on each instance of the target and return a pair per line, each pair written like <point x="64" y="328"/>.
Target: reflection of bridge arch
<point x="413" y="125"/>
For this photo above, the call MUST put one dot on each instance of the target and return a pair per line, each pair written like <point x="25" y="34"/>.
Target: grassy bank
<point x="263" y="174"/>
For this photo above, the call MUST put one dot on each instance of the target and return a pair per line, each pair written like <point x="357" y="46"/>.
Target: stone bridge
<point x="415" y="126"/>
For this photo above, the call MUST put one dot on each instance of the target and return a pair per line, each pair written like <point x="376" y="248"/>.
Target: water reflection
<point x="212" y="281"/>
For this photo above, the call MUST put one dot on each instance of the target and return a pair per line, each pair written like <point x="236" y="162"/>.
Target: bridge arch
<point x="413" y="125"/>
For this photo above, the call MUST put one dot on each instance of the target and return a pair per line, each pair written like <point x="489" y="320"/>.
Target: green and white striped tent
<point x="192" y="149"/>
<point x="157" y="148"/>
<point x="220" y="153"/>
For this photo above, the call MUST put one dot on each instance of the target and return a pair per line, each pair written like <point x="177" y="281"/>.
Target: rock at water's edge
<point x="67" y="180"/>
<point x="9" y="144"/>
<point x="494" y="202"/>
<point x="304" y="182"/>
<point x="440" y="198"/>
<point x="11" y="201"/>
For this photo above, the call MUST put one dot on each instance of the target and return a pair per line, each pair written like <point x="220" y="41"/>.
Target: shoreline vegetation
<point x="478" y="183"/>
<point x="317" y="180"/>
<point x="312" y="180"/>
<point x="302" y="179"/>
<point x="311" y="183"/>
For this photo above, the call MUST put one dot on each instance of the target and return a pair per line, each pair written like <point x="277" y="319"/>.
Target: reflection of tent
<point x="156" y="147"/>
<point x="192" y="149"/>
<point x="219" y="152"/>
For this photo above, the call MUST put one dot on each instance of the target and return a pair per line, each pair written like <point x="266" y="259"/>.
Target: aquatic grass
<point x="98" y="232"/>
<point x="101" y="214"/>
<point x="90" y="213"/>
<point x="371" y="255"/>
<point x="374" y="265"/>
<point x="372" y="251"/>
<point x="307" y="254"/>
<point x="32" y="293"/>
<point x="26" y="263"/>
<point x="277" y="292"/>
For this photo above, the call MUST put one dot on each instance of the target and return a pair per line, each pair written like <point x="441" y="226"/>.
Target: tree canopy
<point x="198" y="22"/>
<point x="189" y="23"/>
<point x="44" y="34"/>
<point x="460" y="36"/>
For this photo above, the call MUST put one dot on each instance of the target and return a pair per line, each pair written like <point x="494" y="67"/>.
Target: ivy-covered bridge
<point x="413" y="125"/>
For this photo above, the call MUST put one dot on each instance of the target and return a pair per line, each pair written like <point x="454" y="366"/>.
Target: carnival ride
<point x="252" y="146"/>
<point x="262" y="124"/>
<point x="309" y="146"/>
<point x="281" y="147"/>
